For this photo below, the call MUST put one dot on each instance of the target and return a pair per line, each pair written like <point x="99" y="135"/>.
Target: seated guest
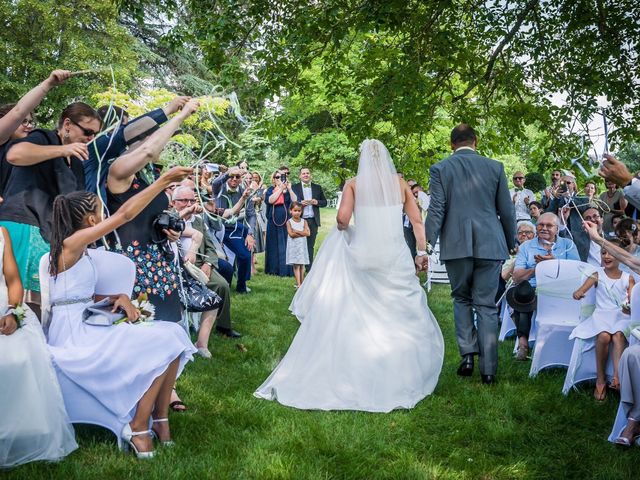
<point x="608" y="321"/>
<point x="526" y="231"/>
<point x="135" y="367"/>
<point x="46" y="163"/>
<point x="238" y="234"/>
<point x="592" y="214"/>
<point x="629" y="235"/>
<point x="615" y="220"/>
<point x="206" y="259"/>
<point x="547" y="246"/>
<point x="535" y="210"/>
<point x="34" y="422"/>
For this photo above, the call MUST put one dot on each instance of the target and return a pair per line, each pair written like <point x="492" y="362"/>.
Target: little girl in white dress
<point x="609" y="319"/>
<point x="297" y="251"/>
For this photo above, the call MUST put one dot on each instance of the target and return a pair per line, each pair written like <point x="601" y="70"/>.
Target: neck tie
<point x="229" y="190"/>
<point x="306" y="185"/>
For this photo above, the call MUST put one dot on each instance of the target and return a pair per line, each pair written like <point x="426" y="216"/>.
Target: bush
<point x="535" y="181"/>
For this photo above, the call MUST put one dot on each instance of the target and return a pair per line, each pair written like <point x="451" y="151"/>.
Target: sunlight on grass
<point x="520" y="429"/>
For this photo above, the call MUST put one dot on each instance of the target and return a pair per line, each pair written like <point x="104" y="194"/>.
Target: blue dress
<point x="276" y="244"/>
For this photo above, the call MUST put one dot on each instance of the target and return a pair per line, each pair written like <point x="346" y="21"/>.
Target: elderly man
<point x="566" y="203"/>
<point x="238" y="234"/>
<point x="521" y="197"/>
<point x="184" y="201"/>
<point x="312" y="198"/>
<point x="548" y="246"/>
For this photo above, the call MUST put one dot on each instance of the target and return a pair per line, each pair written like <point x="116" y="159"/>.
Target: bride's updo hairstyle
<point x="69" y="212"/>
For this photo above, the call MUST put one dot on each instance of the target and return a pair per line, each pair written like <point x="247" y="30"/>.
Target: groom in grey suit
<point x="472" y="213"/>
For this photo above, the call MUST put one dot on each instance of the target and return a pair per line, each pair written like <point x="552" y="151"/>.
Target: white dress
<point x="116" y="364"/>
<point x="607" y="316"/>
<point x="367" y="339"/>
<point x="297" y="251"/>
<point x="33" y="421"/>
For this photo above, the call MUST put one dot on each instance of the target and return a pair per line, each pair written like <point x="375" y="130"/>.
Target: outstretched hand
<point x="613" y="170"/>
<point x="57" y="77"/>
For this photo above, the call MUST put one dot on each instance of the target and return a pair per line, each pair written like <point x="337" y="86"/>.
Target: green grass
<point x="522" y="428"/>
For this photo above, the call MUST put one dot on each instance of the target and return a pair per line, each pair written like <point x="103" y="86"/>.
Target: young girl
<point x="609" y="320"/>
<point x="130" y="368"/>
<point x="297" y="253"/>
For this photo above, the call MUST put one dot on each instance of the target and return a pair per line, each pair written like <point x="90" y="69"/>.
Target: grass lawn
<point x="522" y="428"/>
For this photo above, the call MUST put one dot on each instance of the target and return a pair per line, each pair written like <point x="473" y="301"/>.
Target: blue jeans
<point x="226" y="270"/>
<point x="234" y="238"/>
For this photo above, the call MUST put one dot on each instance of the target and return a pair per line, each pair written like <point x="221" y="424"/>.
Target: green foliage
<point x="630" y="155"/>
<point x="535" y="181"/>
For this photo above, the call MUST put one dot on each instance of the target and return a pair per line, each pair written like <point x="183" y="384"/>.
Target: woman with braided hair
<point x="106" y="361"/>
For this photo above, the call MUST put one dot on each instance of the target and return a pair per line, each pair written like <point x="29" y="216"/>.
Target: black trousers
<point x="523" y="323"/>
<point x="311" y="239"/>
<point x="410" y="238"/>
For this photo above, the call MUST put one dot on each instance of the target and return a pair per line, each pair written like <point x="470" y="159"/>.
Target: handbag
<point x="194" y="295"/>
<point x="100" y="314"/>
<point x="196" y="272"/>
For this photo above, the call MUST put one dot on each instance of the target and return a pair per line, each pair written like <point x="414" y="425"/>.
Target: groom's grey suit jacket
<point x="471" y="210"/>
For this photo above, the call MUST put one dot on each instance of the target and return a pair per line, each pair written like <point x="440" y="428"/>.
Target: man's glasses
<point x="87" y="132"/>
<point x="28" y="123"/>
<point x="185" y="200"/>
<point x="518" y="178"/>
<point x="527" y="233"/>
<point x="593" y="218"/>
<point x="235" y="176"/>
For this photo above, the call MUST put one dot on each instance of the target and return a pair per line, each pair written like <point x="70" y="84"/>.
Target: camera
<point x="283" y="177"/>
<point x="562" y="187"/>
<point x="166" y="221"/>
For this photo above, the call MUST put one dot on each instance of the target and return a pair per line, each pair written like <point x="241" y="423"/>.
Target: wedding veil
<point x="377" y="180"/>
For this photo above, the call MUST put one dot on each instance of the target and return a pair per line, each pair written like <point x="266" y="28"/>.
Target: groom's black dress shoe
<point x="228" y="332"/>
<point x="488" y="379"/>
<point x="466" y="366"/>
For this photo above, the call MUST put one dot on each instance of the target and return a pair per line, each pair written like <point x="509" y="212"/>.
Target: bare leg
<point x="206" y="325"/>
<point x="161" y="407"/>
<point x="602" y="354"/>
<point x="619" y="344"/>
<point x="302" y="272"/>
<point x="140" y="421"/>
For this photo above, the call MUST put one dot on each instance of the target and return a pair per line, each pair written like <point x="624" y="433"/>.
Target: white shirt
<point x="307" y="195"/>
<point x="594" y="254"/>
<point x="185" y="242"/>
<point x="424" y="200"/>
<point x="522" y="209"/>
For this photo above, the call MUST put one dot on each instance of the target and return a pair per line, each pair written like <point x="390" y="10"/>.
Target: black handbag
<point x="194" y="295"/>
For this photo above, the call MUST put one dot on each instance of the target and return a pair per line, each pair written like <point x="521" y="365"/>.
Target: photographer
<point x="205" y="258"/>
<point x="238" y="232"/>
<point x="566" y="204"/>
<point x="279" y="197"/>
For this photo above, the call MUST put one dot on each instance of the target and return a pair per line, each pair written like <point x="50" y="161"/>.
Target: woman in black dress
<point x="279" y="197"/>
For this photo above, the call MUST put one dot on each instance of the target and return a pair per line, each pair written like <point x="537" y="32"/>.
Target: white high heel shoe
<point x="127" y="435"/>
<point x="166" y="443"/>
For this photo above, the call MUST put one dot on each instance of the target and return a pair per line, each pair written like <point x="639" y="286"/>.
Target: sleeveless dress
<point x="275" y="252"/>
<point x="33" y="421"/>
<point x="607" y="316"/>
<point x="367" y="339"/>
<point x="115" y="364"/>
<point x="156" y="272"/>
<point x="297" y="251"/>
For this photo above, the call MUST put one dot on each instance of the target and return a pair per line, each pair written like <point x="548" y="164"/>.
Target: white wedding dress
<point x="33" y="421"/>
<point x="367" y="339"/>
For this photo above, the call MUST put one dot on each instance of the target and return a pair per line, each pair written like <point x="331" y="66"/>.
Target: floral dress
<point x="156" y="271"/>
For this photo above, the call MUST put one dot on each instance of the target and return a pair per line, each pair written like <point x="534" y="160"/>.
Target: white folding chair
<point x="437" y="270"/>
<point x="116" y="274"/>
<point x="557" y="313"/>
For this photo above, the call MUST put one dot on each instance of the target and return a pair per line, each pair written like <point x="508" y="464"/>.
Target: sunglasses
<point x="87" y="132"/>
<point x="235" y="176"/>
<point x="277" y="177"/>
<point x="518" y="178"/>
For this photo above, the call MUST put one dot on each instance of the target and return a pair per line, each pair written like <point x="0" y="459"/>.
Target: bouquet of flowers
<point x="145" y="307"/>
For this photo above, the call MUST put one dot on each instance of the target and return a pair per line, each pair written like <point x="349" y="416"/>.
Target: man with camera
<point x="184" y="201"/>
<point x="227" y="190"/>
<point x="312" y="198"/>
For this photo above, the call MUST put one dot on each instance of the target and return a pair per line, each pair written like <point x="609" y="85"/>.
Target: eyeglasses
<point x="277" y="177"/>
<point x="185" y="200"/>
<point x="235" y="176"/>
<point x="87" y="132"/>
<point x="28" y="123"/>
<point x="518" y="178"/>
<point x="528" y="232"/>
<point x="592" y="218"/>
<point x="546" y="225"/>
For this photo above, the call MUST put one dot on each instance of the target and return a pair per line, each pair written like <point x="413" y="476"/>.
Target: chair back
<point x="116" y="272"/>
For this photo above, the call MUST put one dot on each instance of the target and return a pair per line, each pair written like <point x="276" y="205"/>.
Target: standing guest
<point x="34" y="422"/>
<point x="46" y="163"/>
<point x="238" y="233"/>
<point x="609" y="319"/>
<point x="297" y="251"/>
<point x="312" y="198"/>
<point x="614" y="198"/>
<point x="423" y="199"/>
<point x="547" y="246"/>
<point x="521" y="197"/>
<point x="590" y="191"/>
<point x="476" y="238"/>
<point x="535" y="210"/>
<point x="548" y="193"/>
<point x="261" y="219"/>
<point x="16" y="120"/>
<point x="279" y="197"/>
<point x="569" y="207"/>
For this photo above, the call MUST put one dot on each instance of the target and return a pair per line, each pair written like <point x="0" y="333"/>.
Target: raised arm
<point x="12" y="120"/>
<point x="618" y="252"/>
<point x="24" y="154"/>
<point x="125" y="167"/>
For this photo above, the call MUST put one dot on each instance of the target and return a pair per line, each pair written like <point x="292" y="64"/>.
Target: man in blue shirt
<point x="547" y="246"/>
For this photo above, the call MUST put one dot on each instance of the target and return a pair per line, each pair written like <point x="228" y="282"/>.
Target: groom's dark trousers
<point x="474" y="283"/>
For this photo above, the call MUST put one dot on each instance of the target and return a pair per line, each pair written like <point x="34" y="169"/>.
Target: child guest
<point x="297" y="252"/>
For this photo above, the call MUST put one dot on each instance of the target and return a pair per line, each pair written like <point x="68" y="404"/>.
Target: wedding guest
<point x="16" y="120"/>
<point x="609" y="319"/>
<point x="629" y="371"/>
<point x="261" y="219"/>
<point x="134" y="390"/>
<point x="614" y="198"/>
<point x="521" y="197"/>
<point x="549" y="193"/>
<point x="590" y="191"/>
<point x="628" y="233"/>
<point x="535" y="210"/>
<point x="46" y="163"/>
<point x="547" y="246"/>
<point x="238" y="233"/>
<point x="422" y="198"/>
<point x="592" y="214"/>
<point x="279" y="197"/>
<point x="615" y="221"/>
<point x="311" y="196"/>
<point x="34" y="422"/>
<point x="297" y="252"/>
<point x="525" y="231"/>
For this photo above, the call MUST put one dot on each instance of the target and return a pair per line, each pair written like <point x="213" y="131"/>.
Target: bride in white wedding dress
<point x="367" y="339"/>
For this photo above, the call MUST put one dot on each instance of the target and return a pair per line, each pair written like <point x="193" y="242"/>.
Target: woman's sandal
<point x="600" y="392"/>
<point x="625" y="441"/>
<point x="615" y="384"/>
<point x="166" y="443"/>
<point x="176" y="404"/>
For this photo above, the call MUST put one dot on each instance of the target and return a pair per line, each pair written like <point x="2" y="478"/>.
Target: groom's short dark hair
<point x="463" y="133"/>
